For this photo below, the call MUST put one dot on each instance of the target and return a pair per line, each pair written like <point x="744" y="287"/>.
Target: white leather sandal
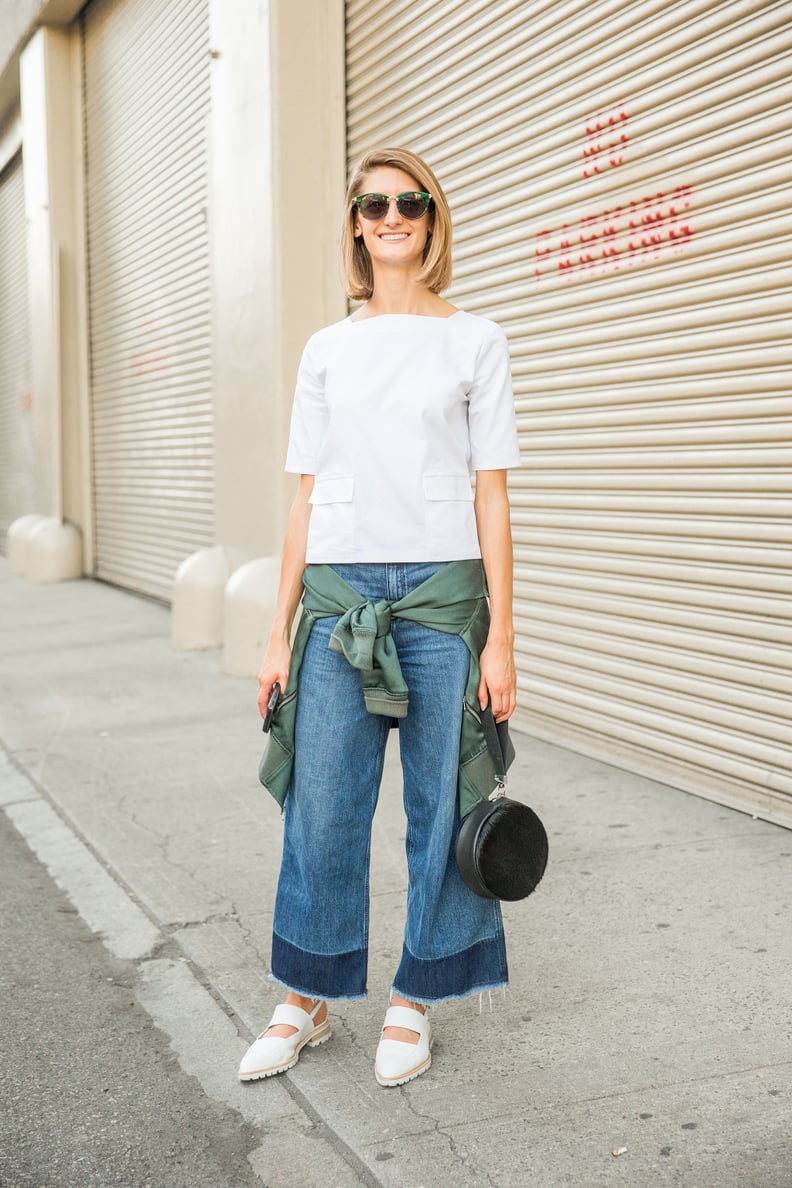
<point x="397" y="1062"/>
<point x="271" y="1054"/>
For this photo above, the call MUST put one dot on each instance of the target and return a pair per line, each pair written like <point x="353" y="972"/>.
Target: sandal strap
<point x="407" y="1017"/>
<point x="292" y="1016"/>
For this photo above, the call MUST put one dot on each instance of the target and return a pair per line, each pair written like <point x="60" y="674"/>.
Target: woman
<point x="394" y="408"/>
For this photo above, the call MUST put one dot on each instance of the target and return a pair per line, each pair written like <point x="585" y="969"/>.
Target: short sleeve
<point x="492" y="424"/>
<point x="309" y="417"/>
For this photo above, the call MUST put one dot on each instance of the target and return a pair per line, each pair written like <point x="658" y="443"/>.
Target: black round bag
<point x="501" y="847"/>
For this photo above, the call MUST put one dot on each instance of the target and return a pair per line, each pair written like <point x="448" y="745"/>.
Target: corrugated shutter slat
<point x="146" y="103"/>
<point x="619" y="176"/>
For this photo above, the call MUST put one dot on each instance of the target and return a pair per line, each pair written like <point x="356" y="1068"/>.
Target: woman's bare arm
<point x="277" y="659"/>
<point x="498" y="674"/>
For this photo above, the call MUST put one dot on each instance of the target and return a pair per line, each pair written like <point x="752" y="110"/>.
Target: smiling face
<point x="393" y="241"/>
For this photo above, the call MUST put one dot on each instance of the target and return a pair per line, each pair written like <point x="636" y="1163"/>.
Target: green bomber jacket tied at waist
<point x="453" y="600"/>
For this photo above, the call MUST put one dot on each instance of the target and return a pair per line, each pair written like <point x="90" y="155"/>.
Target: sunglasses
<point x="411" y="205"/>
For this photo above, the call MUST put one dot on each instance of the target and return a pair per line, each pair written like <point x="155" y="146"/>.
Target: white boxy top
<point x="392" y="414"/>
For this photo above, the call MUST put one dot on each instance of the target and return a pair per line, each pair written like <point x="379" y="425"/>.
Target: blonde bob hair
<point x="436" y="271"/>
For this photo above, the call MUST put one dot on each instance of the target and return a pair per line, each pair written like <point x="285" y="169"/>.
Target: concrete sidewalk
<point x="650" y="996"/>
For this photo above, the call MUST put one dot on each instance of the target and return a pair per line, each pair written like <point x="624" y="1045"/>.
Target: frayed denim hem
<point x="301" y="990"/>
<point x="480" y="967"/>
<point x="430" y="1002"/>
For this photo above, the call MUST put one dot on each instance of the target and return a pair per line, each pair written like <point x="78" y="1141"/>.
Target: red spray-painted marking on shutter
<point x="147" y="363"/>
<point x="150" y="357"/>
<point x="26" y="396"/>
<point x="644" y="230"/>
<point x="606" y="140"/>
<point x="679" y="227"/>
<point x="543" y="247"/>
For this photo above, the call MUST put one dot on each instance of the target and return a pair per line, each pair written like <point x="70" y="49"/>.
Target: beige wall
<point x="52" y="145"/>
<point x="277" y="165"/>
<point x="276" y="184"/>
<point x="16" y="18"/>
<point x="18" y="21"/>
<point x="310" y="129"/>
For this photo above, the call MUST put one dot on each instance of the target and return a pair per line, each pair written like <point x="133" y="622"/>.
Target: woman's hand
<point x="498" y="678"/>
<point x="274" y="667"/>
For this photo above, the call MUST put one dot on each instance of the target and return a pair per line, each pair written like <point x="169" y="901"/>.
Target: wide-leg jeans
<point x="453" y="939"/>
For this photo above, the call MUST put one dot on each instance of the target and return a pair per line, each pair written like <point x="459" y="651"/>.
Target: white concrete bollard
<point x="17" y="542"/>
<point x="198" y="592"/>
<point x="250" y="597"/>
<point x="54" y="551"/>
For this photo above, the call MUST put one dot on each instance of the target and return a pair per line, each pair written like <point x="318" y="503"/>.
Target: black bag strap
<point x="497" y="735"/>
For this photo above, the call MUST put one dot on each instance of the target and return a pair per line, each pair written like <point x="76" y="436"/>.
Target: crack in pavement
<point x="465" y="1161"/>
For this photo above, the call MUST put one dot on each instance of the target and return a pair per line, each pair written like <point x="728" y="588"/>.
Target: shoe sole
<point x="388" y="1083"/>
<point x="312" y="1041"/>
<point x="393" y="1082"/>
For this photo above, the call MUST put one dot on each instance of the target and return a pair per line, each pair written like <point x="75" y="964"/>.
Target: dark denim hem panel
<point x="481" y="967"/>
<point x="307" y="992"/>
<point x="325" y="975"/>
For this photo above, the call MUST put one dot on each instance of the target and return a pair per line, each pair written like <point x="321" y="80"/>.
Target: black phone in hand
<point x="271" y="705"/>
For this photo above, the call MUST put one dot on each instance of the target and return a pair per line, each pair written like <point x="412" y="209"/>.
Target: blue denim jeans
<point x="453" y="939"/>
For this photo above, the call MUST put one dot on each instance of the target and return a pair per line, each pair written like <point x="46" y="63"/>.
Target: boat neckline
<point x="422" y="317"/>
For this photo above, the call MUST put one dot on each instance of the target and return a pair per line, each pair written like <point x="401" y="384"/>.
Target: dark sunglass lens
<point x="412" y="206"/>
<point x="374" y="206"/>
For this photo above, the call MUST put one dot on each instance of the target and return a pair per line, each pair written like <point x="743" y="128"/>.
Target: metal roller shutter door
<point x="619" y="175"/>
<point x="16" y="430"/>
<point x="146" y="103"/>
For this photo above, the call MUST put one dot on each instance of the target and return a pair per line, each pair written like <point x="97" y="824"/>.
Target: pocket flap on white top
<point x="333" y="488"/>
<point x="447" y="486"/>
